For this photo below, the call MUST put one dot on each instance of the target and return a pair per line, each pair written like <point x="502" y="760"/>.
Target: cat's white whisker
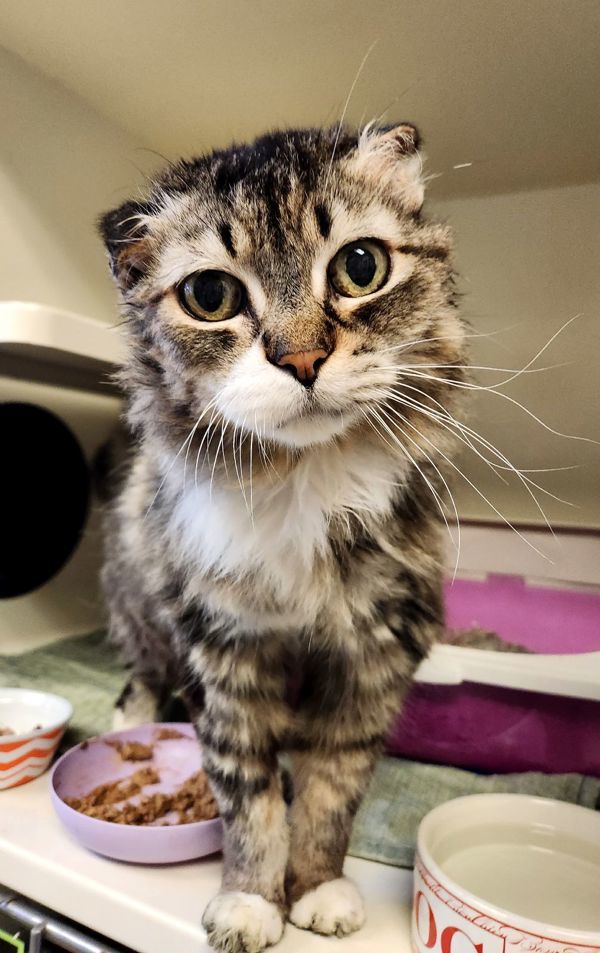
<point x="429" y="412"/>
<point x="266" y="459"/>
<point x="418" y="365"/>
<point x="207" y="437"/>
<point x="259" y="444"/>
<point x="345" y="110"/>
<point x="238" y="430"/>
<point x="407" y="345"/>
<point x="462" y="430"/>
<point x="544" y="348"/>
<point x="513" y="372"/>
<point x="483" y="497"/>
<point x="219" y="449"/>
<point x="162" y="482"/>
<point x="217" y="452"/>
<point x="457" y="543"/>
<point x="191" y="437"/>
<point x="187" y="452"/>
<point x="492" y="389"/>
<point x="403" y="449"/>
<point x="188" y="440"/>
<point x="251" y="473"/>
<point x="443" y="421"/>
<point x="235" y="459"/>
<point x="460" y="433"/>
<point x="240" y="467"/>
<point x="224" y="426"/>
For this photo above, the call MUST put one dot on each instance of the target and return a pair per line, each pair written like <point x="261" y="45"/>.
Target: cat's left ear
<point x="124" y="232"/>
<point x="391" y="156"/>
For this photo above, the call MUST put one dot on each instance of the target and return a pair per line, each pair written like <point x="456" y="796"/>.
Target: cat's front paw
<point x="333" y="908"/>
<point x="137" y="705"/>
<point x="237" y="922"/>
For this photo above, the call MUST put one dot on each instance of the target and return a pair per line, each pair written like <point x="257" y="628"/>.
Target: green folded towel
<point x="402" y="792"/>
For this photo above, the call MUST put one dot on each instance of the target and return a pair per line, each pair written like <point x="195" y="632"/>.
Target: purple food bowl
<point x="96" y="762"/>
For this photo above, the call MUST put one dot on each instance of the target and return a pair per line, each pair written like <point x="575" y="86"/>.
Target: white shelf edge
<point x="44" y="333"/>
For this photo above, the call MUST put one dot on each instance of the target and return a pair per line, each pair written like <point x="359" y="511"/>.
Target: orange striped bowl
<point x="39" y="720"/>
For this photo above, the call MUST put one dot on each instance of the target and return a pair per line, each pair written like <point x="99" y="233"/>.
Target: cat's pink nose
<point x="304" y="365"/>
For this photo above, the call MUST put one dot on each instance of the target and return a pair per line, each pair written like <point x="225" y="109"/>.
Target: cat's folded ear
<point x="124" y="232"/>
<point x="390" y="155"/>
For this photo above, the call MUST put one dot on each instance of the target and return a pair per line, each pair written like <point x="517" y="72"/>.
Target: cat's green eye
<point x="359" y="268"/>
<point x="211" y="295"/>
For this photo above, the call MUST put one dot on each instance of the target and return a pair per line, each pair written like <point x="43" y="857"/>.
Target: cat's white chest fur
<point x="277" y="531"/>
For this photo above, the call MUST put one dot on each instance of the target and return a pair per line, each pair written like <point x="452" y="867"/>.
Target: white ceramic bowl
<point x="507" y="873"/>
<point x="39" y="720"/>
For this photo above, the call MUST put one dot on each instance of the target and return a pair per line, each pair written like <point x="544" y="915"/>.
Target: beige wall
<point x="528" y="262"/>
<point x="60" y="165"/>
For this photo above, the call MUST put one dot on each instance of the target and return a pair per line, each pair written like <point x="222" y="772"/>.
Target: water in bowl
<point x="536" y="873"/>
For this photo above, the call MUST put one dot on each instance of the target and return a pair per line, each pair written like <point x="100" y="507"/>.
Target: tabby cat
<point x="280" y="515"/>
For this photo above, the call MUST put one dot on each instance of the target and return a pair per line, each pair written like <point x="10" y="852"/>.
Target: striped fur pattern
<point x="267" y="532"/>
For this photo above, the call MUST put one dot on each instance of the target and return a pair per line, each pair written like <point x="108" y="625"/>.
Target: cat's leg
<point x="242" y="721"/>
<point x="349" y="702"/>
<point x="329" y="785"/>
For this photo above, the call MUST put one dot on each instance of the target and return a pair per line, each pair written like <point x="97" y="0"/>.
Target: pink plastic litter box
<point x="500" y="712"/>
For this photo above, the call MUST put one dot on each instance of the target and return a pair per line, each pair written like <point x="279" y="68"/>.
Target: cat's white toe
<point x="237" y="922"/>
<point x="333" y="908"/>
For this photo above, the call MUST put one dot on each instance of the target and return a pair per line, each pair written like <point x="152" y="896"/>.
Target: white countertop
<point x="153" y="909"/>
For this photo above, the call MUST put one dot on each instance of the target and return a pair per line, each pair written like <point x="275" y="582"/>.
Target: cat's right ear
<point x="391" y="155"/>
<point x="124" y="232"/>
